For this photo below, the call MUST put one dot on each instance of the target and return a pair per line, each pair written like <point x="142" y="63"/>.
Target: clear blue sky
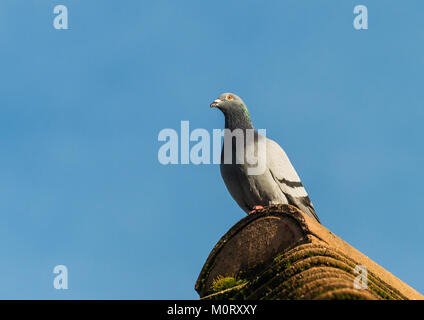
<point x="81" y="109"/>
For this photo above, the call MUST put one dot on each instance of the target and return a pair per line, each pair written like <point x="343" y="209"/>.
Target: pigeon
<point x="277" y="183"/>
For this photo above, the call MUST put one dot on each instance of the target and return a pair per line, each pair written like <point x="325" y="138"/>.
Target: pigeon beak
<point x="215" y="103"/>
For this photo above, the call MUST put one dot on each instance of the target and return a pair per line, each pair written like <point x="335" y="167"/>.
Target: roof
<point x="281" y="253"/>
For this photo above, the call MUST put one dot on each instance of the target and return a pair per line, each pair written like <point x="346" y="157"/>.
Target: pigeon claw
<point x="255" y="208"/>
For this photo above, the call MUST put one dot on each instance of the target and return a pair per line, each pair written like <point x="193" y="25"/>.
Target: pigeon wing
<point x="287" y="179"/>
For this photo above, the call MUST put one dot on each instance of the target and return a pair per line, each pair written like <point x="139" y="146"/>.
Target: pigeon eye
<point x="229" y="97"/>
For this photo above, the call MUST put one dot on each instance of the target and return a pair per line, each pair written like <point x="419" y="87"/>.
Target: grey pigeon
<point x="279" y="182"/>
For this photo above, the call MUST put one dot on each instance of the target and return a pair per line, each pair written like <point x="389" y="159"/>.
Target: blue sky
<point x="81" y="109"/>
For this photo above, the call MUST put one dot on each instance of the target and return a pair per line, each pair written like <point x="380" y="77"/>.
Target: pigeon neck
<point x="237" y="121"/>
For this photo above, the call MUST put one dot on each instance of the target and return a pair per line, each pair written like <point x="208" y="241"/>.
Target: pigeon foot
<point x="256" y="208"/>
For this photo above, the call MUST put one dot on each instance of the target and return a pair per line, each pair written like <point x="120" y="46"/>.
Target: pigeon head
<point x="235" y="111"/>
